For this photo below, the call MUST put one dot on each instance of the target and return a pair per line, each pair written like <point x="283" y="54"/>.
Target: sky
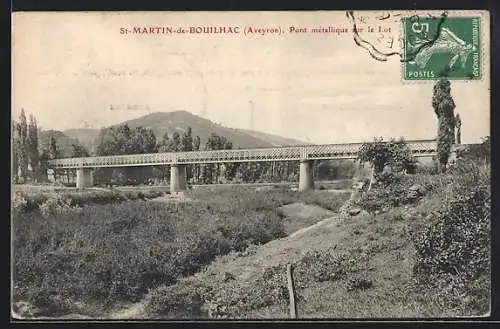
<point x="75" y="70"/>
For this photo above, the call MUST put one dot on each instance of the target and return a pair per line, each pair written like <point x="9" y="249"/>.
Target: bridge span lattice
<point x="420" y="148"/>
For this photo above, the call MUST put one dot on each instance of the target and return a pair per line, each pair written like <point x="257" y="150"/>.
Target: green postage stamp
<point x="436" y="47"/>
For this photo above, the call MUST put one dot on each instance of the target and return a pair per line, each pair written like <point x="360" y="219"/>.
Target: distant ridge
<point x="179" y="121"/>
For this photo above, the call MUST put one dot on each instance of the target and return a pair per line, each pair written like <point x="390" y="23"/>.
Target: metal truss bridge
<point x="419" y="148"/>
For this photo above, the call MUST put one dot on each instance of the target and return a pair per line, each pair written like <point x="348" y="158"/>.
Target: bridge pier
<point x="84" y="177"/>
<point x="178" y="179"/>
<point x="306" y="179"/>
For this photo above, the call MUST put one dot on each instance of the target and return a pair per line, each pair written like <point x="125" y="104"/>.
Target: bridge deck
<point x="421" y="148"/>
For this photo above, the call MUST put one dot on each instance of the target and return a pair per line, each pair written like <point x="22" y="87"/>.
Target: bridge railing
<point x="312" y="152"/>
<point x="240" y="155"/>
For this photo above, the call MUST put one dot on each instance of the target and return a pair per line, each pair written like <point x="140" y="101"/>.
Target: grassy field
<point x="87" y="251"/>
<point x="415" y="246"/>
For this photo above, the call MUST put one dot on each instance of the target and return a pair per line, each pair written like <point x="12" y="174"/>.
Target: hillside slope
<point x="63" y="141"/>
<point x="86" y="136"/>
<point x="179" y="121"/>
<point x="391" y="262"/>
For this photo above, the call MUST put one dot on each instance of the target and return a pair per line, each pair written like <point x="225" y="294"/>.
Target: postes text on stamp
<point x="442" y="47"/>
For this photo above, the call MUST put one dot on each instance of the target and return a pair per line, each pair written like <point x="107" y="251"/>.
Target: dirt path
<point x="327" y="221"/>
<point x="134" y="311"/>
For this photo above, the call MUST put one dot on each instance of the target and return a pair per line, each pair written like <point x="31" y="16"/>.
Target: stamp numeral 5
<point x="419" y="27"/>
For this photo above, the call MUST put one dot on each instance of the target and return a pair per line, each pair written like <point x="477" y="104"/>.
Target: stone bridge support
<point x="178" y="179"/>
<point x="84" y="177"/>
<point x="306" y="179"/>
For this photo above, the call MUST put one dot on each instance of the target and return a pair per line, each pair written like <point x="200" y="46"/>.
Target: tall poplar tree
<point x="15" y="159"/>
<point x="458" y="125"/>
<point x="196" y="167"/>
<point x="32" y="146"/>
<point x="53" y="154"/>
<point x="443" y="105"/>
<point x="22" y="146"/>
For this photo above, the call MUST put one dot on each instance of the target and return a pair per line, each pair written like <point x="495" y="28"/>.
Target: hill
<point x="64" y="142"/>
<point x="162" y="122"/>
<point x="179" y="121"/>
<point x="275" y="140"/>
<point x="86" y="136"/>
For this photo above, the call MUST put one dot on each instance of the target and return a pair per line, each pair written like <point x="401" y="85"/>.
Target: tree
<point x="196" y="167"/>
<point x="402" y="159"/>
<point x="22" y="145"/>
<point x="163" y="171"/>
<point x="443" y="105"/>
<point x="458" y="125"/>
<point x="380" y="154"/>
<point x="53" y="153"/>
<point x="79" y="151"/>
<point x="32" y="146"/>
<point x="53" y="150"/>
<point x="15" y="159"/>
<point x="143" y="140"/>
<point x="210" y="173"/>
<point x="175" y="142"/>
<point x="187" y="140"/>
<point x="187" y="146"/>
<point x="112" y="141"/>
<point x="44" y="157"/>
<point x="121" y="140"/>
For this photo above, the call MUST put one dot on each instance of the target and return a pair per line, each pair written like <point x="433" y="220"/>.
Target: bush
<point x="458" y="240"/>
<point x="393" y="190"/>
<point x="430" y="169"/>
<point x="323" y="265"/>
<point x="177" y="301"/>
<point x="58" y="205"/>
<point x="29" y="201"/>
<point x="358" y="283"/>
<point x="19" y="203"/>
<point x="466" y="174"/>
<point x="453" y="251"/>
<point x="234" y="300"/>
<point x="185" y="299"/>
<point x="394" y="153"/>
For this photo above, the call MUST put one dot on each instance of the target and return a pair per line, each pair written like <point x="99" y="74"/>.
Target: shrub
<point x="458" y="240"/>
<point x="181" y="300"/>
<point x="327" y="265"/>
<point x="36" y="200"/>
<point x="358" y="283"/>
<point x="234" y="300"/>
<point x="466" y="174"/>
<point x="394" y="190"/>
<point x="322" y="265"/>
<point x="394" y="153"/>
<point x="58" y="205"/>
<point x="19" y="203"/>
<point x="430" y="169"/>
<point x="453" y="251"/>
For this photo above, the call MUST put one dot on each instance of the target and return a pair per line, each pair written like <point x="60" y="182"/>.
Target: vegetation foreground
<point x="73" y="254"/>
<point x="413" y="246"/>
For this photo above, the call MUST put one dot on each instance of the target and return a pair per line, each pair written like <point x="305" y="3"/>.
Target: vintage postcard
<point x="250" y="165"/>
